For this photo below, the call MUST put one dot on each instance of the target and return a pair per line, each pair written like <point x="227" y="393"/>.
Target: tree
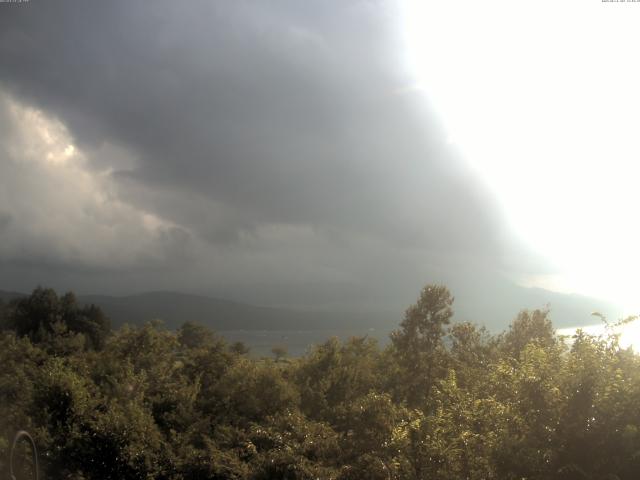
<point x="154" y="403"/>
<point x="279" y="352"/>
<point x="194" y="335"/>
<point x="251" y="391"/>
<point x="418" y="345"/>
<point x="528" y="327"/>
<point x="239" y="348"/>
<point x="43" y="316"/>
<point x="334" y="375"/>
<point x="3" y="315"/>
<point x="472" y="351"/>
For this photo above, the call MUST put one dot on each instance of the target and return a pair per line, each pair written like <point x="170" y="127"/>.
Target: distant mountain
<point x="493" y="305"/>
<point x="6" y="297"/>
<point x="176" y="308"/>
<point x="259" y="327"/>
<point x="222" y="315"/>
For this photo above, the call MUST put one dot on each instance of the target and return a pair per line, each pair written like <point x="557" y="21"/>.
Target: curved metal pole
<point x="20" y="435"/>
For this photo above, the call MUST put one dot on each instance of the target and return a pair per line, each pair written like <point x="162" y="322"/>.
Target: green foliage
<point x="289" y="445"/>
<point x="418" y="345"/>
<point x="442" y="401"/>
<point x="58" y="322"/>
<point x="279" y="352"/>
<point x="334" y="375"/>
<point x="529" y="327"/>
<point x="251" y="390"/>
<point x="193" y="335"/>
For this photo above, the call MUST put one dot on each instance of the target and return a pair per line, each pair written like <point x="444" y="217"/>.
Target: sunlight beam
<point x="542" y="100"/>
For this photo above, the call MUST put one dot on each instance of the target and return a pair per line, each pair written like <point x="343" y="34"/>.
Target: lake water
<point x="297" y="342"/>
<point x="629" y="333"/>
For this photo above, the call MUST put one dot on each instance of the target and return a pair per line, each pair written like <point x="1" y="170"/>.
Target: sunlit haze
<point x="542" y="99"/>
<point x="629" y="333"/>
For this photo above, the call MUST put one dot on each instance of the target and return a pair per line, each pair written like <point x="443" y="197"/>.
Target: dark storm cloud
<point x="274" y="112"/>
<point x="279" y="141"/>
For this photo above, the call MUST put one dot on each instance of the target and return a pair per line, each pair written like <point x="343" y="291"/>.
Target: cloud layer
<point x="264" y="150"/>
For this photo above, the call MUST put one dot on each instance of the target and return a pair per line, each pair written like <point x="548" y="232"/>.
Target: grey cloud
<point x="56" y="213"/>
<point x="5" y="221"/>
<point x="287" y="115"/>
<point x="226" y="118"/>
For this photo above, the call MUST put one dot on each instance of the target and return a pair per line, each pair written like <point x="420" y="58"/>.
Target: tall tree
<point x="418" y="344"/>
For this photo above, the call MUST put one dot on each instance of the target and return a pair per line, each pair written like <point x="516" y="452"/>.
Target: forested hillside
<point x="443" y="400"/>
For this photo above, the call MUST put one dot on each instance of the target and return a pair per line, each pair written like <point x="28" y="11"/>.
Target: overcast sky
<point x="276" y="152"/>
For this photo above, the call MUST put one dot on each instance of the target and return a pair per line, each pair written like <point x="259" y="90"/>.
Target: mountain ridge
<point x="494" y="308"/>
